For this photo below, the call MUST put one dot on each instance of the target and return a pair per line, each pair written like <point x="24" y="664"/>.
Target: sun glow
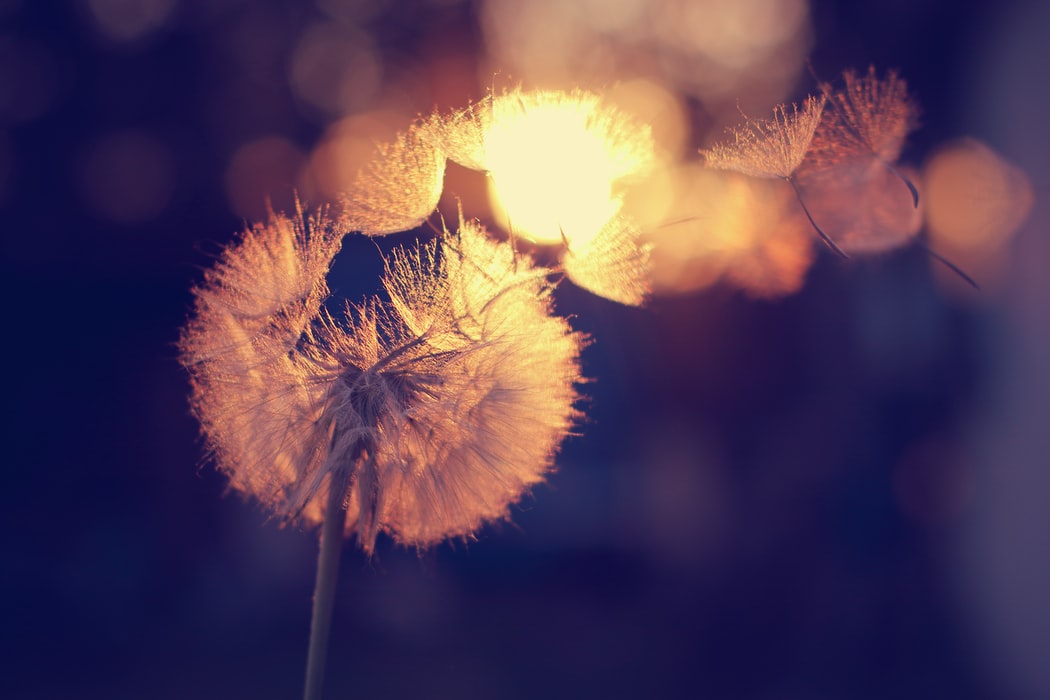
<point x="555" y="163"/>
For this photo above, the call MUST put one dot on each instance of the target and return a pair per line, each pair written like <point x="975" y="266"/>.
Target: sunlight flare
<point x="556" y="161"/>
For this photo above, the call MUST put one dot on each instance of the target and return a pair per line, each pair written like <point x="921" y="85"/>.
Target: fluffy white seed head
<point x="442" y="406"/>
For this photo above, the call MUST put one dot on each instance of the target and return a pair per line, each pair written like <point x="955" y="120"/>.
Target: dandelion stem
<point x="908" y="183"/>
<point x="823" y="236"/>
<point x="950" y="265"/>
<point x="324" y="588"/>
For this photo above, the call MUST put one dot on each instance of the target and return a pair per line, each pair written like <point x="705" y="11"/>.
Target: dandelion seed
<point x="774" y="148"/>
<point x="399" y="188"/>
<point x="614" y="265"/>
<point x="431" y="413"/>
<point x="864" y="204"/>
<point x="769" y="148"/>
<point x="869" y="118"/>
<point x="461" y="135"/>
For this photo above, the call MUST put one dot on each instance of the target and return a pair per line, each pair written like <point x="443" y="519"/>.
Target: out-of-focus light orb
<point x="335" y="70"/>
<point x="611" y="16"/>
<point x="550" y="177"/>
<point x="974" y="197"/>
<point x="30" y="79"/>
<point x="346" y="146"/>
<point x="709" y="226"/>
<point x="540" y="40"/>
<point x="655" y="104"/>
<point x="127" y="177"/>
<point x="722" y="51"/>
<point x="554" y="160"/>
<point x="975" y="201"/>
<point x="263" y="175"/>
<point x="734" y="33"/>
<point x="129" y="20"/>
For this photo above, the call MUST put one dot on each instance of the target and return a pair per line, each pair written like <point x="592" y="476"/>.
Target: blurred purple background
<point x="839" y="494"/>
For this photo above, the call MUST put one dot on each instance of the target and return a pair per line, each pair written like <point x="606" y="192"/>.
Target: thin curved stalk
<point x="906" y="181"/>
<point x="823" y="236"/>
<point x="950" y="265"/>
<point x="324" y="588"/>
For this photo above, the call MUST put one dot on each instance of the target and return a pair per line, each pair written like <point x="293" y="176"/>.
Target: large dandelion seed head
<point x="440" y="408"/>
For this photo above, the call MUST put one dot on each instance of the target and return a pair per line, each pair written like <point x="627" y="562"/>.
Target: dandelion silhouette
<point x="869" y="118"/>
<point x="774" y="148"/>
<point x="424" y="416"/>
<point x="557" y="161"/>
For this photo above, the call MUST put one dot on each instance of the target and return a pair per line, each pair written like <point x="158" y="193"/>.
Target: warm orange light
<point x="975" y="201"/>
<point x="348" y="144"/>
<point x="730" y="54"/>
<point x="262" y="174"/>
<point x="555" y="160"/>
<point x="725" y="227"/>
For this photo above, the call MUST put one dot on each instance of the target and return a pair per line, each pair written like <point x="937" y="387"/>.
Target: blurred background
<point x="832" y="486"/>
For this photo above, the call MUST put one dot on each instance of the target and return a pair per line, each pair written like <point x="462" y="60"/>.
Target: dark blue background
<point x="126" y="573"/>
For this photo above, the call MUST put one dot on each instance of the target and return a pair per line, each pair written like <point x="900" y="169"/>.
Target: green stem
<point x="324" y="589"/>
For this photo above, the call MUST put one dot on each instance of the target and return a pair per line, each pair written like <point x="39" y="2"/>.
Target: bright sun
<point x="554" y="161"/>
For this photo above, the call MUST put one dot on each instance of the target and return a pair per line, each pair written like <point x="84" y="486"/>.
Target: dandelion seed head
<point x="769" y="148"/>
<point x="266" y="286"/>
<point x="440" y="408"/>
<point x="615" y="264"/>
<point x="869" y="117"/>
<point x="399" y="188"/>
<point x="461" y="135"/>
